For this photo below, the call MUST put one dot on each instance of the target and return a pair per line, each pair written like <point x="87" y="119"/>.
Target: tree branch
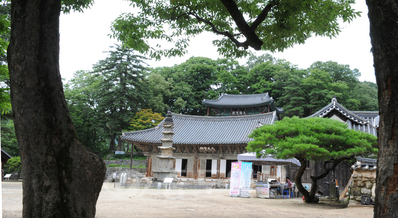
<point x="224" y="33"/>
<point x="252" y="39"/>
<point x="261" y="17"/>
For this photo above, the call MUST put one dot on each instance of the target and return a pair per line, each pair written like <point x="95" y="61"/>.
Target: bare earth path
<point x="117" y="202"/>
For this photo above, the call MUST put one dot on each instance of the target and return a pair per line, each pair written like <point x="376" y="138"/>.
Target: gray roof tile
<point x="227" y="100"/>
<point x="199" y="130"/>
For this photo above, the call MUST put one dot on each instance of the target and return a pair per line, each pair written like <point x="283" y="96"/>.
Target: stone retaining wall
<point x="125" y="162"/>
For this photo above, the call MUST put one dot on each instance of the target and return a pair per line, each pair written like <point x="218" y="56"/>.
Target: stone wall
<point x="125" y="162"/>
<point x="363" y="182"/>
<point x="140" y="172"/>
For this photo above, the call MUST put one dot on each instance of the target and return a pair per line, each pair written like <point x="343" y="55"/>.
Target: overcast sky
<point x="84" y="37"/>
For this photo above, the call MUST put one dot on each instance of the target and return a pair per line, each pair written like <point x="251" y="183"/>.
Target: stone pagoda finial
<point x="169" y="117"/>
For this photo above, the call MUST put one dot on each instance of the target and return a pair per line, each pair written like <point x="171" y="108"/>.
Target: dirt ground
<point x="119" y="202"/>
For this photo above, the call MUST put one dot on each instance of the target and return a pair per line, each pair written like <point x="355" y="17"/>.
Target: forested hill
<point x="299" y="91"/>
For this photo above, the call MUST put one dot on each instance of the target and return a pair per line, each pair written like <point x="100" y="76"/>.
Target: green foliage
<point x="190" y="83"/>
<point x="5" y="23"/>
<point x="75" y="5"/>
<point x="122" y="90"/>
<point x="338" y="73"/>
<point x="300" y="92"/>
<point x="318" y="139"/>
<point x="145" y="119"/>
<point x="160" y="90"/>
<point x="269" y="25"/>
<point x="14" y="164"/>
<point x="81" y="94"/>
<point x="8" y="138"/>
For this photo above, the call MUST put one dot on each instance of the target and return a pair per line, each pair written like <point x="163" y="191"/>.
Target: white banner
<point x="178" y="165"/>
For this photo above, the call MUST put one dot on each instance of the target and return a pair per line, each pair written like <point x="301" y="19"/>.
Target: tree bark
<point x="112" y="145"/>
<point x="383" y="17"/>
<point x="61" y="178"/>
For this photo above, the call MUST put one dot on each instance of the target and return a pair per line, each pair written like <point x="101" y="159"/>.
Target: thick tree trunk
<point x="61" y="178"/>
<point x="383" y="16"/>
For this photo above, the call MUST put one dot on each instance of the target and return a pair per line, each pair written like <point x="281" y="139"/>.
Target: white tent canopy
<point x="251" y="157"/>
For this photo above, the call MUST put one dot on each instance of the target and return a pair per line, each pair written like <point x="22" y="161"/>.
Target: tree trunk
<point x="383" y="17"/>
<point x="299" y="184"/>
<point x="120" y="142"/>
<point x="61" y="178"/>
<point x="112" y="145"/>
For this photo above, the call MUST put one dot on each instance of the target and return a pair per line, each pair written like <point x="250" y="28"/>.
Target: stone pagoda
<point x="165" y="162"/>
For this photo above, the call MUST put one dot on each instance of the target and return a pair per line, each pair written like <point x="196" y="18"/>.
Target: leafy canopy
<point x="268" y="25"/>
<point x="145" y="119"/>
<point x="14" y="163"/>
<point x="317" y="139"/>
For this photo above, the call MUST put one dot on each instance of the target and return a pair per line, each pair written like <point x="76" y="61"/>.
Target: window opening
<point x="184" y="164"/>
<point x="208" y="167"/>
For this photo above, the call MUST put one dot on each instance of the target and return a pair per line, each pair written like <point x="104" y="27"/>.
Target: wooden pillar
<point x="149" y="168"/>
<point x="218" y="168"/>
<point x="195" y="167"/>
<point x="207" y="111"/>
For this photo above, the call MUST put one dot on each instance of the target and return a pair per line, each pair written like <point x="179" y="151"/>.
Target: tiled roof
<point x="334" y="105"/>
<point x="227" y="100"/>
<point x="366" y="113"/>
<point x="4" y="152"/>
<point x="197" y="130"/>
<point x="371" y="116"/>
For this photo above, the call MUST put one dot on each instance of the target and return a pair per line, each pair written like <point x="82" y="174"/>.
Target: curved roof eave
<point x="334" y="105"/>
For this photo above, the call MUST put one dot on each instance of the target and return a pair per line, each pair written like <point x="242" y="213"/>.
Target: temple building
<point x="205" y="146"/>
<point x="237" y="105"/>
<point x="365" y="121"/>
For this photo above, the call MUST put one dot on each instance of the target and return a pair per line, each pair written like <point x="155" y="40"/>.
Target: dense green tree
<point x="338" y="72"/>
<point x="294" y="99"/>
<point x="191" y="81"/>
<point x="122" y="91"/>
<point x="160" y="90"/>
<point x="364" y="96"/>
<point x="81" y="94"/>
<point x="254" y="60"/>
<point x="268" y="25"/>
<point x="145" y="119"/>
<point x="8" y="138"/>
<point x="13" y="164"/>
<point x="231" y="77"/>
<point x="316" y="139"/>
<point x="5" y="19"/>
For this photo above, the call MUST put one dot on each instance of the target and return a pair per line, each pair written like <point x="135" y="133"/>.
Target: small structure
<point x="362" y="182"/>
<point x="165" y="161"/>
<point x="364" y="121"/>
